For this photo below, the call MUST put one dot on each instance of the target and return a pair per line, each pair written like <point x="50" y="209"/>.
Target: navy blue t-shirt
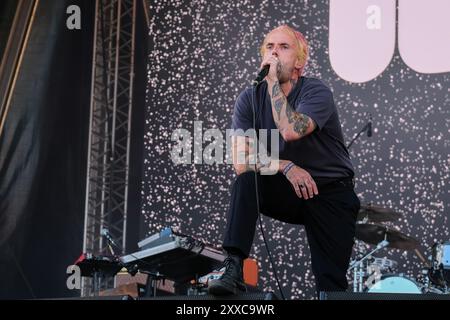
<point x="321" y="153"/>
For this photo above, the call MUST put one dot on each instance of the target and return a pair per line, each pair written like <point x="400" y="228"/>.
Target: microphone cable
<point x="272" y="264"/>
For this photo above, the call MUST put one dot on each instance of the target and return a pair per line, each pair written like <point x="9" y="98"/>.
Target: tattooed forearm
<point x="244" y="160"/>
<point x="289" y="114"/>
<point x="288" y="121"/>
<point x="279" y="103"/>
<point x="301" y="123"/>
<point x="278" y="100"/>
<point x="276" y="90"/>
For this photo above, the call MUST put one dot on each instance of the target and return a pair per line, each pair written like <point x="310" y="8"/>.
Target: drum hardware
<point x="427" y="285"/>
<point x="382" y="237"/>
<point x="441" y="255"/>
<point x="426" y="279"/>
<point x="374" y="234"/>
<point x="439" y="271"/>
<point x="358" y="267"/>
<point x="372" y="274"/>
<point x="433" y="279"/>
<point x="385" y="264"/>
<point x="421" y="257"/>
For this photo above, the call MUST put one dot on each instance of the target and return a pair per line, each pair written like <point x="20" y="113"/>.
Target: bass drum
<point x="394" y="284"/>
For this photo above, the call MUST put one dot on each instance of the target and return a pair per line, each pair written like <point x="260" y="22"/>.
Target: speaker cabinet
<point x="243" y="296"/>
<point x="381" y="296"/>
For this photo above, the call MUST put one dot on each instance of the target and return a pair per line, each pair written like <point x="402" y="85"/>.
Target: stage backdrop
<point x="384" y="58"/>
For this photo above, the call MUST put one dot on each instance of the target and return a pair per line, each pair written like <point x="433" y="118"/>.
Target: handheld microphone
<point x="369" y="126"/>
<point x="261" y="75"/>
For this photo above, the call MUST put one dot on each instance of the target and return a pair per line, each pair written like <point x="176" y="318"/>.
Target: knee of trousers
<point x="245" y="180"/>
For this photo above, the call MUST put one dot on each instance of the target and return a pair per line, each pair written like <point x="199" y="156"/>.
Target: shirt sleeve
<point x="318" y="104"/>
<point x="242" y="114"/>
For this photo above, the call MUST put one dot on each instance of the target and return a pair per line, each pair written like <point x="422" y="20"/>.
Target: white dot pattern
<point x="204" y="53"/>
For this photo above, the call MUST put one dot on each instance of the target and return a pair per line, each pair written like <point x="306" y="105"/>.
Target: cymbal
<point x="377" y="213"/>
<point x="374" y="234"/>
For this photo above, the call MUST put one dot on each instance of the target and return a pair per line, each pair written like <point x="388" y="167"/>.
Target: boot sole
<point x="218" y="288"/>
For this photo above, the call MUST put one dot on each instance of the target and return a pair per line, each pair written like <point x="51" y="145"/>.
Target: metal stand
<point x="358" y="267"/>
<point x="96" y="284"/>
<point x="152" y="283"/>
<point x="109" y="128"/>
<point x="365" y="128"/>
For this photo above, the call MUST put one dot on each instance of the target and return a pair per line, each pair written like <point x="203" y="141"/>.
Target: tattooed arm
<point x="302" y="182"/>
<point x="292" y="124"/>
<point x="244" y="158"/>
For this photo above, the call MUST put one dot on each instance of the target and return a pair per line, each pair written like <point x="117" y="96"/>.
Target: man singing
<point x="313" y="185"/>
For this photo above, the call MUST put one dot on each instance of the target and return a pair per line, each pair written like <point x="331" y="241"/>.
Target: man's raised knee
<point x="247" y="176"/>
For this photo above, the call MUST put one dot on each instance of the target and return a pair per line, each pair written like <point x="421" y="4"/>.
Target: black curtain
<point x="43" y="154"/>
<point x="7" y="8"/>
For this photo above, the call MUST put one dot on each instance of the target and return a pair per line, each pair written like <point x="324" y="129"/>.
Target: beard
<point x="284" y="73"/>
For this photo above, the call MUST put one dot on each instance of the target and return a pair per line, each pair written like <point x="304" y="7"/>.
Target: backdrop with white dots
<point x="204" y="53"/>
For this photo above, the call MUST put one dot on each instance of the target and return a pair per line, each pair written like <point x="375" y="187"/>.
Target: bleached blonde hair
<point x="300" y="43"/>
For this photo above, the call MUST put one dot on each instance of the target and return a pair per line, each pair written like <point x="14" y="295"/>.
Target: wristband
<point x="288" y="167"/>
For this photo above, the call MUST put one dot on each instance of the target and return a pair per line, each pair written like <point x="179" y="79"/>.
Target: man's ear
<point x="298" y="64"/>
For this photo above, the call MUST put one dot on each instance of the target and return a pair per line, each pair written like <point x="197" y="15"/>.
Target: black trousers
<point x="329" y="219"/>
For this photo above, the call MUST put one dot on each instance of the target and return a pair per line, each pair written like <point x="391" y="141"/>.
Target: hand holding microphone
<point x="271" y="63"/>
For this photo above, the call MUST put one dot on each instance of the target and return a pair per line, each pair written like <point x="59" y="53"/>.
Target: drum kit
<point x="379" y="275"/>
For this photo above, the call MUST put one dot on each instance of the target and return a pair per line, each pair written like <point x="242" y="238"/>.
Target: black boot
<point x="232" y="280"/>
